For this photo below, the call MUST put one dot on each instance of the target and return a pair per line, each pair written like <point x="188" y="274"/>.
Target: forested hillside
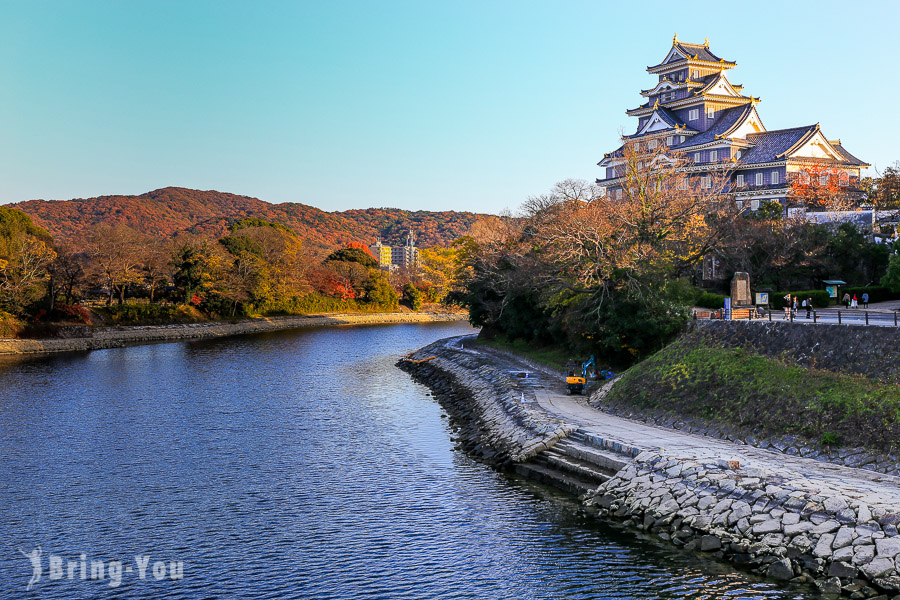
<point x="171" y="210"/>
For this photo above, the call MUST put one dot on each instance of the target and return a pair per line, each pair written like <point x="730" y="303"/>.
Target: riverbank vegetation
<point x="118" y="275"/>
<point x="616" y="274"/>
<point x="740" y="391"/>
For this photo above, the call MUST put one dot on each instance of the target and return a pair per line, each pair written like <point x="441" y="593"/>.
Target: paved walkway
<point x="875" y="489"/>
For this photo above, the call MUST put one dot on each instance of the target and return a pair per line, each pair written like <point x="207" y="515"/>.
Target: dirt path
<point x="797" y="473"/>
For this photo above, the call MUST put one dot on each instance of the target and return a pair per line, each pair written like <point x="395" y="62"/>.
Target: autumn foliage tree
<point x="602" y="269"/>
<point x="821" y="187"/>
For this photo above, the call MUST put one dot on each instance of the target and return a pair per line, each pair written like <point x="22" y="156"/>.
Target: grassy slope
<point x="755" y="393"/>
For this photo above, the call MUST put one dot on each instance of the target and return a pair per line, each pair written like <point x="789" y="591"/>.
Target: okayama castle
<point x="696" y="111"/>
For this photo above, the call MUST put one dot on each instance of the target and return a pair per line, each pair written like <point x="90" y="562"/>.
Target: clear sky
<point x="417" y="105"/>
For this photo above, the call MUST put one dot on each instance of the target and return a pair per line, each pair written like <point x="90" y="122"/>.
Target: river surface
<point x="297" y="464"/>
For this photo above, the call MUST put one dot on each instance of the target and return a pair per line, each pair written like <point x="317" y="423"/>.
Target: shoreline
<point x="786" y="518"/>
<point x="116" y="337"/>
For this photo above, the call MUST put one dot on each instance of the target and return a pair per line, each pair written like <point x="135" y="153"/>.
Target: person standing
<point x="794" y="307"/>
<point x="787" y="307"/>
<point x="846" y="300"/>
<point x="865" y="299"/>
<point x="808" y="303"/>
<point x="854" y="303"/>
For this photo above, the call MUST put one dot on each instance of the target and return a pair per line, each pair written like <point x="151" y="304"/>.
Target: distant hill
<point x="173" y="210"/>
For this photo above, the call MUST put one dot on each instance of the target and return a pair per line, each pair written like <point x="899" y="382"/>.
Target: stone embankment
<point x="825" y="528"/>
<point x="86" y="338"/>
<point x="872" y="352"/>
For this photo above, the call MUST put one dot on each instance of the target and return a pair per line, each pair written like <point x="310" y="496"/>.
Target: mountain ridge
<point x="170" y="211"/>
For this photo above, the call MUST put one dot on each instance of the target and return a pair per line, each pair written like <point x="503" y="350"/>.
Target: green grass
<point x="552" y="356"/>
<point x="734" y="387"/>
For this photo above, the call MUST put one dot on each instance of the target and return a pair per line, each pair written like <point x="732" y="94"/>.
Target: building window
<point x="670" y="140"/>
<point x="681" y="184"/>
<point x="651" y="144"/>
<point x="693" y="114"/>
<point x="845" y="179"/>
<point x="804" y="177"/>
<point x="713" y="155"/>
<point x="706" y="182"/>
<point x="682" y="139"/>
<point x="759" y="179"/>
<point x="775" y="178"/>
<point x="737" y="155"/>
<point x="740" y="180"/>
<point x="739" y="204"/>
<point x="754" y="205"/>
<point x="610" y="172"/>
<point x="710" y="113"/>
<point x="823" y="179"/>
<point x="696" y="157"/>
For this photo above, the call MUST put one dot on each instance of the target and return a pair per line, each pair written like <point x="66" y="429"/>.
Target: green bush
<point x="877" y="293"/>
<point x="820" y="298"/>
<point x="710" y="300"/>
<point x="144" y="314"/>
<point x="412" y="297"/>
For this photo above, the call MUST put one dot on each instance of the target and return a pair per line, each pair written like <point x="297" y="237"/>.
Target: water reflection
<point x="292" y="465"/>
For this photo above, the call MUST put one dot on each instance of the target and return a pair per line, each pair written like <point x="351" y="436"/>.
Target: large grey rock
<point x="797" y="528"/>
<point x="888" y="547"/>
<point x="843" y="538"/>
<point x="770" y="526"/>
<point x="823" y="547"/>
<point x="790" y="519"/>
<point x="826" y="527"/>
<point x="863" y="513"/>
<point x="863" y="554"/>
<point x="781" y="570"/>
<point x="834" y="504"/>
<point x="739" y="510"/>
<point x="877" y="568"/>
<point x="708" y="543"/>
<point x="842" y="569"/>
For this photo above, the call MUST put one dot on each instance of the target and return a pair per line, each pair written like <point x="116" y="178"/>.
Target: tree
<point x="819" y="186"/>
<point x="67" y="272"/>
<point x="116" y="253"/>
<point x="412" y="296"/>
<point x="354" y="255"/>
<point x="25" y="256"/>
<point x="198" y="268"/>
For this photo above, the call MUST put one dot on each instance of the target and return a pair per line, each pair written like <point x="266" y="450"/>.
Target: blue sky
<point x="416" y="105"/>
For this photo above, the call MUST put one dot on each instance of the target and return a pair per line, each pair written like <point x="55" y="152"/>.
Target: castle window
<point x="706" y="182"/>
<point x="682" y="139"/>
<point x="713" y="155"/>
<point x="845" y="179"/>
<point x="696" y="157"/>
<point x="775" y="178"/>
<point x="670" y="140"/>
<point x="759" y="179"/>
<point x="739" y="204"/>
<point x="754" y="205"/>
<point x="710" y="113"/>
<point x="804" y="177"/>
<point x="651" y="144"/>
<point x="823" y="179"/>
<point x="740" y="180"/>
<point x="737" y="155"/>
<point x="693" y="114"/>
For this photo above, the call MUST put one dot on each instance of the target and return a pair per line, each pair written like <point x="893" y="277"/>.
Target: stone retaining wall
<point x="498" y="420"/>
<point x="114" y="337"/>
<point x="870" y="351"/>
<point x="759" y="521"/>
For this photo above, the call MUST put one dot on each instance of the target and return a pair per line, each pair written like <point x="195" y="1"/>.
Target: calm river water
<point x="296" y="464"/>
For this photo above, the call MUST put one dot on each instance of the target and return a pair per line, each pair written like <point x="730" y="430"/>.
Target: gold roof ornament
<point x="706" y="42"/>
<point x="675" y="39"/>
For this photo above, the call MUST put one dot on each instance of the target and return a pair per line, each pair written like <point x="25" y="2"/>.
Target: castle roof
<point x="770" y="146"/>
<point x="727" y="120"/>
<point x="682" y="52"/>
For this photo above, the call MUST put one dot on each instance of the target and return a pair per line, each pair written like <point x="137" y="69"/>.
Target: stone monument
<point x="740" y="290"/>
